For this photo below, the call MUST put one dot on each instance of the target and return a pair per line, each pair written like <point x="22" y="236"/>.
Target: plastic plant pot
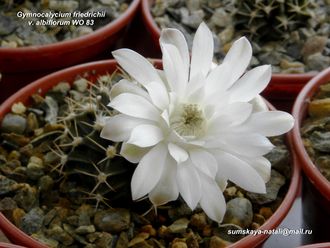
<point x="23" y="65"/>
<point x="65" y="53"/>
<point x="98" y="68"/>
<point x="6" y="245"/>
<point x="316" y="188"/>
<point x="300" y="112"/>
<point x="282" y="88"/>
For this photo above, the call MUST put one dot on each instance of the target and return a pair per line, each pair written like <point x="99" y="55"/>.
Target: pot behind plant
<point x="98" y="68"/>
<point x="316" y="188"/>
<point x="25" y="64"/>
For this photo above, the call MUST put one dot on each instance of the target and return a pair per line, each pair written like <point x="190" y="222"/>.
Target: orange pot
<point x="98" y="68"/>
<point x="316" y="188"/>
<point x="22" y="65"/>
<point x="6" y="245"/>
<point x="300" y="112"/>
<point x="65" y="53"/>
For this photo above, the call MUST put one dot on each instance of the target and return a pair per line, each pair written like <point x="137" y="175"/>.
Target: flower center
<point x="188" y="120"/>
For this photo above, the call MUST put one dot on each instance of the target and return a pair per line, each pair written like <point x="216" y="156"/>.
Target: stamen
<point x="189" y="120"/>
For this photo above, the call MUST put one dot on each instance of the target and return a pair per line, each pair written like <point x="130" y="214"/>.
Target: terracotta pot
<point x="23" y="65"/>
<point x="6" y="245"/>
<point x="299" y="112"/>
<point x="316" y="188"/>
<point x="65" y="53"/>
<point x="282" y="88"/>
<point x="97" y="68"/>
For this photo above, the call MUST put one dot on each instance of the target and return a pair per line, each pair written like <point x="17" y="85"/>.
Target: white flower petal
<point x="116" y="130"/>
<point x="244" y="144"/>
<point x="125" y="86"/>
<point x="145" y="135"/>
<point x="177" y="76"/>
<point x="270" y="123"/>
<point x="158" y="94"/>
<point x="219" y="79"/>
<point x="178" y="153"/>
<point x="261" y="165"/>
<point x="142" y="180"/>
<point x="189" y="184"/>
<point x="259" y="104"/>
<point x="202" y="51"/>
<point x="221" y="180"/>
<point x="136" y="66"/>
<point x="135" y="106"/>
<point x="175" y="37"/>
<point x="195" y="84"/>
<point x="231" y="115"/>
<point x="166" y="117"/>
<point x="167" y="189"/>
<point x="250" y="84"/>
<point x="223" y="76"/>
<point x="197" y="96"/>
<point x="204" y="161"/>
<point x="133" y="153"/>
<point x="212" y="201"/>
<point x="162" y="75"/>
<point x="238" y="58"/>
<point x="249" y="145"/>
<point x="240" y="172"/>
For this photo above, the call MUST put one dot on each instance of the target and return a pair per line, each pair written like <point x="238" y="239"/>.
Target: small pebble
<point x="217" y="242"/>
<point x="272" y="188"/>
<point x="52" y="243"/>
<point x="57" y="233"/>
<point x="239" y="212"/>
<point x="179" y="243"/>
<point x="122" y="241"/>
<point x="179" y="226"/>
<point x="258" y="218"/>
<point x="266" y="212"/>
<point x="112" y="220"/>
<point x="149" y="229"/>
<point x="17" y="216"/>
<point x="139" y="238"/>
<point x="105" y="240"/>
<point x="199" y="220"/>
<point x="7" y="185"/>
<point x="314" y="45"/>
<point x="32" y="221"/>
<point x="18" y="108"/>
<point x="13" y="123"/>
<point x="85" y="229"/>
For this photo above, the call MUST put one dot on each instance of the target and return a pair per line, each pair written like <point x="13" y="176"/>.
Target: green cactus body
<point x="86" y="159"/>
<point x="271" y="19"/>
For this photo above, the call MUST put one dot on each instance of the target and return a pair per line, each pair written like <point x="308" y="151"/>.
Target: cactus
<point x="271" y="19"/>
<point x="87" y="167"/>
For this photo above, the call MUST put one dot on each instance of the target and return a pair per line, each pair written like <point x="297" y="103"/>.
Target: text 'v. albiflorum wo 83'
<point x="193" y="126"/>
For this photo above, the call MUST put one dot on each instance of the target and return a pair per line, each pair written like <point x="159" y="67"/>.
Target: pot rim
<point x="299" y="112"/>
<point x="45" y="83"/>
<point x="91" y="38"/>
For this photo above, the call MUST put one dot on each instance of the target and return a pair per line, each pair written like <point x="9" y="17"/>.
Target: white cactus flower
<point x="192" y="126"/>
